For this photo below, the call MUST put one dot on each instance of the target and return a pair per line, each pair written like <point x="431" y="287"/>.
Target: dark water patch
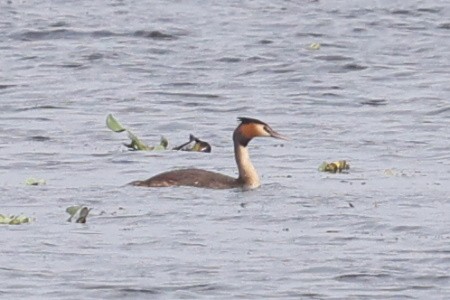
<point x="36" y="35"/>
<point x="359" y="29"/>
<point x="358" y="13"/>
<point x="59" y="24"/>
<point x="29" y="57"/>
<point x="185" y="94"/>
<point x="444" y="25"/>
<point x="72" y="65"/>
<point x="402" y="12"/>
<point x="102" y="33"/>
<point x="160" y="51"/>
<point x="265" y="42"/>
<point x="195" y="104"/>
<point x="353" y="67"/>
<point x="333" y="58"/>
<point x="217" y="109"/>
<point x="409" y="26"/>
<point x="133" y="291"/>
<point x="39" y="138"/>
<point x="310" y="34"/>
<point x="55" y="34"/>
<point x="257" y="58"/>
<point x="122" y="161"/>
<point x="119" y="287"/>
<point x="6" y="86"/>
<point x="321" y="87"/>
<point x="437" y="251"/>
<point x="178" y="84"/>
<point x="247" y="73"/>
<point x="229" y="60"/>
<point x="40" y="107"/>
<point x="374" y="102"/>
<point x="439" y="111"/>
<point x="406" y="228"/>
<point x="360" y="277"/>
<point x="94" y="56"/>
<point x="420" y="287"/>
<point x="188" y="244"/>
<point x="154" y="34"/>
<point x="433" y="10"/>
<point x="297" y="295"/>
<point x="281" y="70"/>
<point x="331" y="95"/>
<point x="228" y="218"/>
<point x="433" y="278"/>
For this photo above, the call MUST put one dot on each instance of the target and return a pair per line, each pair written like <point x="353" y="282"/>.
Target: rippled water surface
<point x="376" y="93"/>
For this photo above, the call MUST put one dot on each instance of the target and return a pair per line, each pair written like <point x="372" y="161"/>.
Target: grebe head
<point x="251" y="128"/>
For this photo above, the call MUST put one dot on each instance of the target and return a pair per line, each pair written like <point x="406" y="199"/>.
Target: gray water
<point x="376" y="93"/>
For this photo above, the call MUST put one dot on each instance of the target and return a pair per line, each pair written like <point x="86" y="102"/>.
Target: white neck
<point x="247" y="172"/>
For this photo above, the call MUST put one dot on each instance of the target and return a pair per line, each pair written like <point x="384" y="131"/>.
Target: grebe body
<point x="248" y="177"/>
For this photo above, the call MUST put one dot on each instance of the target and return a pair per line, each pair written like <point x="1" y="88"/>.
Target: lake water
<point x="375" y="93"/>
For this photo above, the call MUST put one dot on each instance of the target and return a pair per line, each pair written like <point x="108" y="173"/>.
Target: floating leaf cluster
<point x="14" y="220"/>
<point x="194" y="144"/>
<point x="334" y="167"/>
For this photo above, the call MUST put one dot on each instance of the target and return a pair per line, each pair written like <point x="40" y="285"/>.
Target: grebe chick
<point x="248" y="177"/>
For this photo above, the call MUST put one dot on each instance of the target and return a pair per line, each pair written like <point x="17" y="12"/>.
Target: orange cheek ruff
<point x="250" y="131"/>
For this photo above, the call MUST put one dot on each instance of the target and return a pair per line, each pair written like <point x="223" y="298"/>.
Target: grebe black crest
<point x="248" y="177"/>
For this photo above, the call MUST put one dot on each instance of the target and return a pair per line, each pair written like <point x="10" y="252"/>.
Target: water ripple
<point x="373" y="92"/>
<point x="55" y="34"/>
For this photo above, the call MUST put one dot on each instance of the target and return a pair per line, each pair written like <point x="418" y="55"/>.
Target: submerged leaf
<point x="314" y="46"/>
<point x="334" y="167"/>
<point x="34" y="181"/>
<point x="113" y="124"/>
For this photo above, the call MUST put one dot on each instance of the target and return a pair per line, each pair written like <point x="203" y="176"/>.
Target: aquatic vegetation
<point x="334" y="167"/>
<point x="314" y="46"/>
<point x="14" y="220"/>
<point x="35" y="181"/>
<point x="78" y="213"/>
<point x="113" y="124"/>
<point x="194" y="144"/>
<point x="136" y="143"/>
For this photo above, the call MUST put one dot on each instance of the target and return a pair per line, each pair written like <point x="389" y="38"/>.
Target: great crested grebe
<point x="248" y="177"/>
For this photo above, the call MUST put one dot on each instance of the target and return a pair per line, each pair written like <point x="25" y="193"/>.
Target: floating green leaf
<point x="136" y="143"/>
<point x="14" y="220"/>
<point x="314" y="46"/>
<point x="113" y="124"/>
<point x="34" y="181"/>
